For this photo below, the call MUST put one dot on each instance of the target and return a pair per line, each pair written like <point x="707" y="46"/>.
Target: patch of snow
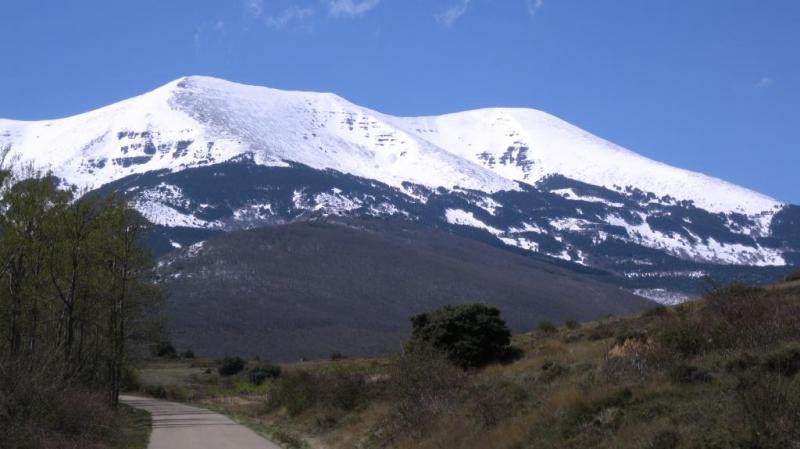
<point x="570" y="224"/>
<point x="662" y="296"/>
<point x="464" y="218"/>
<point x="571" y="195"/>
<point x="697" y="249"/>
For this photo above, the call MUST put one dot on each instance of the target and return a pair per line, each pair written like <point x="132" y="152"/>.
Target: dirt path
<point x="180" y="426"/>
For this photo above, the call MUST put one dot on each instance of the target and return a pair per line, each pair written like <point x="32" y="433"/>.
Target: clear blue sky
<point x="709" y="85"/>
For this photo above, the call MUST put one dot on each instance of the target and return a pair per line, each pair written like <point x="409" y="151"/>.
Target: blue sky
<point x="709" y="85"/>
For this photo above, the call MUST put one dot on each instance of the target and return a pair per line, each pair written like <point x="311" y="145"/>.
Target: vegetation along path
<point x="180" y="426"/>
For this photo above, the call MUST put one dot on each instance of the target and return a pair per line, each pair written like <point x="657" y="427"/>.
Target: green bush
<point x="471" y="335"/>
<point x="187" y="354"/>
<point x="546" y="327"/>
<point x="682" y="338"/>
<point x="260" y="373"/>
<point x="130" y="379"/>
<point x="297" y="391"/>
<point x="572" y="324"/>
<point x="343" y="390"/>
<point x="156" y="391"/>
<point x="793" y="277"/>
<point x="165" y="349"/>
<point x="230" y="366"/>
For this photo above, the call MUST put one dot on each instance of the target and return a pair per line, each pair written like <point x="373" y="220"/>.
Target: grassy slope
<point x="131" y="429"/>
<point x="576" y="388"/>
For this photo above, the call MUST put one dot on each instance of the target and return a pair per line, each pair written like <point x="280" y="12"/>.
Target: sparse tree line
<point x="74" y="292"/>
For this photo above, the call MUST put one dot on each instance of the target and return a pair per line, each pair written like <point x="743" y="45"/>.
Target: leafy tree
<point x="231" y="366"/>
<point x="471" y="335"/>
<point x="75" y="285"/>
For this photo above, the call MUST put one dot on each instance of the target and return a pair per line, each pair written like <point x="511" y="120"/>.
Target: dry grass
<point x="564" y="393"/>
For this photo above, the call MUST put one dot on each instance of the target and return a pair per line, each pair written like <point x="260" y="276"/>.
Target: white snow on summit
<point x="527" y="145"/>
<point x="196" y="121"/>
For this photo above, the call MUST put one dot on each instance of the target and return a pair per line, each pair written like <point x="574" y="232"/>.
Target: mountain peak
<point x="199" y="120"/>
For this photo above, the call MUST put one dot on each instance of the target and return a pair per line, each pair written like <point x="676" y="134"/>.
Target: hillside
<point x="311" y="288"/>
<point x="201" y="155"/>
<point x="723" y="372"/>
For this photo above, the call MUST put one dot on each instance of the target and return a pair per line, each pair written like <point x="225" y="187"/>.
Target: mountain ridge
<point x="215" y="156"/>
<point x="511" y="154"/>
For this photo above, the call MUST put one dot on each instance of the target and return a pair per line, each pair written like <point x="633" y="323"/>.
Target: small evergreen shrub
<point x="572" y="324"/>
<point x="260" y="373"/>
<point x="230" y="366"/>
<point x="546" y="327"/>
<point x="471" y="335"/>
<point x="682" y="338"/>
<point x="165" y="349"/>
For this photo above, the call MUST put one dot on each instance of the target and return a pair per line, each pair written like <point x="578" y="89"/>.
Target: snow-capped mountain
<point x="520" y="176"/>
<point x="199" y="120"/>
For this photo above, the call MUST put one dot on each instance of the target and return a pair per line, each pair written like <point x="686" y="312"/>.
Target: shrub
<point x="156" y="391"/>
<point x="494" y="402"/>
<point x="665" y="439"/>
<point x="793" y="277"/>
<point x="634" y="358"/>
<point x="79" y="413"/>
<point x="740" y="316"/>
<point x="471" y="335"/>
<point x="638" y="336"/>
<point x="187" y="354"/>
<point x="343" y="390"/>
<point x="336" y="356"/>
<point x="296" y="391"/>
<point x="423" y="384"/>
<point x="687" y="374"/>
<point x="682" y="338"/>
<point x="785" y="361"/>
<point x="546" y="327"/>
<point x="572" y="324"/>
<point x="656" y="312"/>
<point x="230" y="366"/>
<point x="551" y="371"/>
<point x="771" y="407"/>
<point x="601" y="331"/>
<point x="602" y="414"/>
<point x="260" y="373"/>
<point x="130" y="379"/>
<point x="742" y="363"/>
<point x="165" y="349"/>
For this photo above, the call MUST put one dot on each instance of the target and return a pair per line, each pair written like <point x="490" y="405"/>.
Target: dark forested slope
<point x="311" y="288"/>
